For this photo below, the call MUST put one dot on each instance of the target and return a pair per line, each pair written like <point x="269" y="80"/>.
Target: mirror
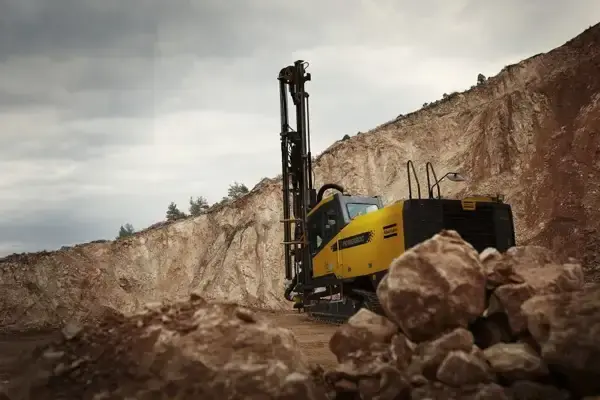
<point x="455" y="177"/>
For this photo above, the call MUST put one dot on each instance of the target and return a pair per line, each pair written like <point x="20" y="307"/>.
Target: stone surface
<point x="364" y="331"/>
<point x="461" y="369"/>
<point x="523" y="272"/>
<point x="438" y="391"/>
<point x="515" y="361"/>
<point x="428" y="356"/>
<point x="566" y="327"/>
<point x="528" y="390"/>
<point x="434" y="286"/>
<point x="529" y="132"/>
<point x="373" y="380"/>
<point x="187" y="350"/>
<point x="401" y="351"/>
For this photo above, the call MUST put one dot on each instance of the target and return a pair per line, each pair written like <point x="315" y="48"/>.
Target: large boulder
<point x="434" y="286"/>
<point x="566" y="326"/>
<point x="474" y="326"/>
<point x="523" y="272"/>
<point x="515" y="362"/>
<point x="185" y="350"/>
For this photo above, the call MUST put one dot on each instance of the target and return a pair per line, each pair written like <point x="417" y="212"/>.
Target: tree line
<point x="196" y="207"/>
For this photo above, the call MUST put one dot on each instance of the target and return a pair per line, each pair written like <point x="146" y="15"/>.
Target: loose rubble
<point x="457" y="325"/>
<point x="189" y="350"/>
<point x="517" y="325"/>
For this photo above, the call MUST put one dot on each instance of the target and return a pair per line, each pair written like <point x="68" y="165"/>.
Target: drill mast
<point x="298" y="192"/>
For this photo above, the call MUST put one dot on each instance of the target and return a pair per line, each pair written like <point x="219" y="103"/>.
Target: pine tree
<point x="237" y="190"/>
<point x="173" y="213"/>
<point x="198" y="206"/>
<point x="126" y="231"/>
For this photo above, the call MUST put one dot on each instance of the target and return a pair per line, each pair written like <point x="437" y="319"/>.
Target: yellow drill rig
<point x="338" y="247"/>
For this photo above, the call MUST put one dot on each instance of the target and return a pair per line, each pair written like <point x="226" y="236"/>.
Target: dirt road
<point x="312" y="336"/>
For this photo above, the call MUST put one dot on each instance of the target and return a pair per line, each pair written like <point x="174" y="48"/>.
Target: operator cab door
<point x="324" y="224"/>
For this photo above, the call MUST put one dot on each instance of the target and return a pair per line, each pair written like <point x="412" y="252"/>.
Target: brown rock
<point x="508" y="299"/>
<point x="345" y="385"/>
<point x="387" y="383"/>
<point x="429" y="355"/>
<point x="375" y="380"/>
<point x="523" y="272"/>
<point x="498" y="269"/>
<point x="515" y="361"/>
<point x="438" y="391"/>
<point x="528" y="390"/>
<point x="210" y="350"/>
<point x="436" y="285"/>
<point x="401" y="350"/>
<point x="566" y="325"/>
<point x="365" y="331"/>
<point x="460" y="368"/>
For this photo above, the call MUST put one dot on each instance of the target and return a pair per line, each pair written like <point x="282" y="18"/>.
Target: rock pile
<point x="189" y="350"/>
<point x="458" y="325"/>
<point x="463" y="325"/>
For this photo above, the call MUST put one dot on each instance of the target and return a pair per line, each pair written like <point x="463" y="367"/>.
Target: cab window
<point x="356" y="209"/>
<point x="315" y="226"/>
<point x="331" y="222"/>
<point x="324" y="224"/>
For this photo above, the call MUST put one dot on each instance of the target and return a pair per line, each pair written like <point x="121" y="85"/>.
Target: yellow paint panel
<point x="468" y="205"/>
<point x="371" y="257"/>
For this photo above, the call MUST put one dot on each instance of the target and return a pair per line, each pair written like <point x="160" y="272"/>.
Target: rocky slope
<point x="532" y="132"/>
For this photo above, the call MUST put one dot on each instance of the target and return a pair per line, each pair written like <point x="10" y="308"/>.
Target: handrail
<point x="429" y="188"/>
<point x="409" y="165"/>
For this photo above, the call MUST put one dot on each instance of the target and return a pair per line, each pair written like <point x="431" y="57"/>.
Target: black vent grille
<point x="476" y="226"/>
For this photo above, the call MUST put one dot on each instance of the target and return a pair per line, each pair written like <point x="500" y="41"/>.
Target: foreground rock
<point x="189" y="350"/>
<point x="567" y="328"/>
<point x="437" y="285"/>
<point x="521" y="273"/>
<point x="539" y="328"/>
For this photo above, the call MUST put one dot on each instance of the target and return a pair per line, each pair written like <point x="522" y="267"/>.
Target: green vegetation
<point x="173" y="213"/>
<point x="198" y="206"/>
<point x="125" y="231"/>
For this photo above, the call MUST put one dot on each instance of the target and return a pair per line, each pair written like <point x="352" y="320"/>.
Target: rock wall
<point x="532" y="133"/>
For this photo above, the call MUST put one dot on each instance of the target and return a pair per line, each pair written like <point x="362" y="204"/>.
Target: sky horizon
<point x="111" y="110"/>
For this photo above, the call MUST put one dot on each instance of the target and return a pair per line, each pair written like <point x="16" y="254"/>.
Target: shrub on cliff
<point x="125" y="231"/>
<point x="237" y="190"/>
<point x="198" y="206"/>
<point x="173" y="213"/>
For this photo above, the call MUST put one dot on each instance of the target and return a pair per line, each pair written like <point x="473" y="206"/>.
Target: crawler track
<point x="370" y="301"/>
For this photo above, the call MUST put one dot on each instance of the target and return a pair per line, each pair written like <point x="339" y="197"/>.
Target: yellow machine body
<point x="370" y="242"/>
<point x="384" y="240"/>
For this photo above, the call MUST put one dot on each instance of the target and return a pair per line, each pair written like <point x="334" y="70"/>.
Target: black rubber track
<point x="370" y="301"/>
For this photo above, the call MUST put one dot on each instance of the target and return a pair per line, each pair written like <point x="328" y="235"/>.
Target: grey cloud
<point x="58" y="28"/>
<point x="72" y="144"/>
<point x="82" y="83"/>
<point x="146" y="28"/>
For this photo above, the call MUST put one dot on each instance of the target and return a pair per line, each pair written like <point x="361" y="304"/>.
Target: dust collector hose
<point x="328" y="186"/>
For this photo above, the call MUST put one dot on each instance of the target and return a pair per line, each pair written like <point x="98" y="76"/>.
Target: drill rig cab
<point x="338" y="247"/>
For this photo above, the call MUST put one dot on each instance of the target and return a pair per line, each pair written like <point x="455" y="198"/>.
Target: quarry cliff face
<point x="531" y="133"/>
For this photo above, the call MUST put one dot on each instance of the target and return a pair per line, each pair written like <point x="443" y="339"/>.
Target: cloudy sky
<point x="111" y="109"/>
